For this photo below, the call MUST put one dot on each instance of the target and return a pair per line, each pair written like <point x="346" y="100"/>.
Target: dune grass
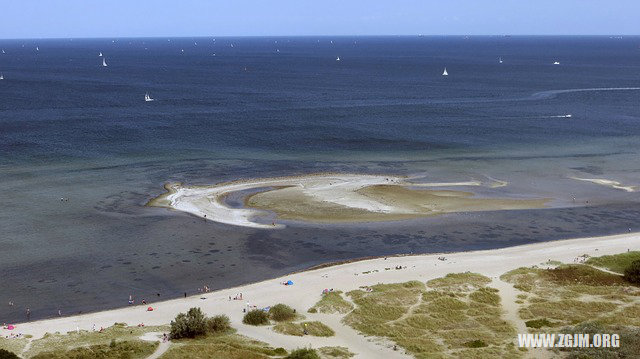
<point x="616" y="262"/>
<point x="456" y="315"/>
<point x="222" y="346"/>
<point x="335" y="353"/>
<point x="13" y="345"/>
<point x="314" y="328"/>
<point x="574" y="294"/>
<point x="63" y="342"/>
<point x="332" y="302"/>
<point x="132" y="349"/>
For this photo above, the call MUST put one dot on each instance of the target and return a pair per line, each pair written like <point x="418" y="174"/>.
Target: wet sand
<point x="334" y="198"/>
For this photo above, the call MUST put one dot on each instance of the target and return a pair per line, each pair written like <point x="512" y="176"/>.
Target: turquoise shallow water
<point x="71" y="128"/>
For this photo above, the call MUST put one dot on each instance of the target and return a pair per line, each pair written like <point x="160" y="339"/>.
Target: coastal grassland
<point x="629" y="342"/>
<point x="226" y="345"/>
<point x="132" y="349"/>
<point x="574" y="294"/>
<point x="335" y="353"/>
<point x="332" y="302"/>
<point x="454" y="316"/>
<point x="15" y="345"/>
<point x="63" y="342"/>
<point x="616" y="262"/>
<point x="314" y="328"/>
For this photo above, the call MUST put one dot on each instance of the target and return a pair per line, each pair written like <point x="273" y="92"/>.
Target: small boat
<point x="147" y="98"/>
<point x="1" y="77"/>
<point x="500" y="60"/>
<point x="3" y="51"/>
<point x="104" y="62"/>
<point x="556" y="62"/>
<point x="338" y="58"/>
<point x="37" y="48"/>
<point x="445" y="73"/>
<point x="567" y="116"/>
<point x="100" y="54"/>
<point x="182" y="51"/>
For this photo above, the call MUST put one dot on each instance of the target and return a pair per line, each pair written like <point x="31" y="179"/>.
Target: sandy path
<point x="156" y="337"/>
<point x="309" y="285"/>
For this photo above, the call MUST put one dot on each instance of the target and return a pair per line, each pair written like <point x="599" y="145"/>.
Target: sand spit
<point x="332" y="198"/>
<point x="608" y="183"/>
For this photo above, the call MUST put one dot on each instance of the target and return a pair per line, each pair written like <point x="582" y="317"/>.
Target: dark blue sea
<point x="235" y="108"/>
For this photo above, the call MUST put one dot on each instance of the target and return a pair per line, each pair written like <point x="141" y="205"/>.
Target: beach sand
<point x="308" y="287"/>
<point x="333" y="198"/>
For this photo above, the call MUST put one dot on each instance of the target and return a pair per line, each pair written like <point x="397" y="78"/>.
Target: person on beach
<point x="28" y="314"/>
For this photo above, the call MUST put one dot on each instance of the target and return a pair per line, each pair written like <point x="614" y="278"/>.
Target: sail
<point x="104" y="62"/>
<point x="445" y="73"/>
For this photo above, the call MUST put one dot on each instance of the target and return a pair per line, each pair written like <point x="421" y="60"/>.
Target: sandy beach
<point x="332" y="198"/>
<point x="309" y="285"/>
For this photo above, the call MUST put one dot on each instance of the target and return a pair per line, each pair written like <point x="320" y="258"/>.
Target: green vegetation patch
<point x="616" y="262"/>
<point x="256" y="317"/>
<point x="304" y="353"/>
<point x="282" y="312"/>
<point x="448" y="316"/>
<point x="629" y="342"/>
<point x="315" y="328"/>
<point x="132" y="349"/>
<point x="335" y="353"/>
<point x="15" y="345"/>
<point x="222" y="346"/>
<point x="332" y="302"/>
<point x="64" y="342"/>
<point x="574" y="294"/>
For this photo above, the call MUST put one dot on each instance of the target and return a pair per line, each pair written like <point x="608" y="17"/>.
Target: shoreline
<point x="345" y="276"/>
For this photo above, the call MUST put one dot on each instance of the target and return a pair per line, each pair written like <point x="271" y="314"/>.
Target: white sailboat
<point x="100" y="54"/>
<point x="338" y="58"/>
<point x="556" y="62"/>
<point x="3" y="51"/>
<point x="37" y="48"/>
<point x="445" y="73"/>
<point x="1" y="77"/>
<point x="500" y="60"/>
<point x="147" y="98"/>
<point x="104" y="62"/>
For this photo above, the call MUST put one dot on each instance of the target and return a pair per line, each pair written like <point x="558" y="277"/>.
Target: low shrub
<point x="282" y="312"/>
<point x="475" y="344"/>
<point x="632" y="272"/>
<point x="306" y="353"/>
<point x="256" y="317"/>
<point x="218" y="324"/>
<point x="538" y="323"/>
<point x="189" y="325"/>
<point x="5" y="354"/>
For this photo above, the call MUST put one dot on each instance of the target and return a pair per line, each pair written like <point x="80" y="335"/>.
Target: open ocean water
<point x="282" y="106"/>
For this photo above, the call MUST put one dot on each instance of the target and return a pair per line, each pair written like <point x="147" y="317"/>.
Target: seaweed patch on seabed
<point x="334" y="198"/>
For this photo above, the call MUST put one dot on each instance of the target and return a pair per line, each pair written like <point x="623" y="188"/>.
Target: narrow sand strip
<point x="608" y="183"/>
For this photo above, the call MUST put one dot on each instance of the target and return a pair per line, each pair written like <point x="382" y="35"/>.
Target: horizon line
<point x="300" y="36"/>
